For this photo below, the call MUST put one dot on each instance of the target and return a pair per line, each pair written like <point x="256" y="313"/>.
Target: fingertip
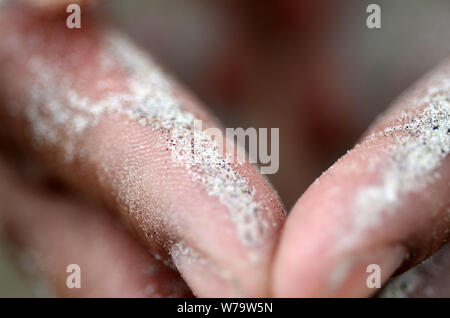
<point x="389" y="192"/>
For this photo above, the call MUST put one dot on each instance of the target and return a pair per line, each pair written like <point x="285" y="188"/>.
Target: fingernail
<point x="364" y="274"/>
<point x="204" y="277"/>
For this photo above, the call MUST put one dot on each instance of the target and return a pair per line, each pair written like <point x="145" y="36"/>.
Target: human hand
<point x="117" y="152"/>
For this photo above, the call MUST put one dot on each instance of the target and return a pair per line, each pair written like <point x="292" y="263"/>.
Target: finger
<point x="430" y="279"/>
<point x="103" y="115"/>
<point x="385" y="202"/>
<point x="51" y="232"/>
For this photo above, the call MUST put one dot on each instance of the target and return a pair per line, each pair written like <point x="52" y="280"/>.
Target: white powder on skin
<point x="59" y="114"/>
<point x="340" y="274"/>
<point x="421" y="143"/>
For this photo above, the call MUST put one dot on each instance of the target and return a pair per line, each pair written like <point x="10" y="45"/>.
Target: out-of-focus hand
<point x="100" y="116"/>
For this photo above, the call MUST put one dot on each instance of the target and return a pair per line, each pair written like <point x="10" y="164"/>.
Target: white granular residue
<point x="59" y="114"/>
<point x="422" y="142"/>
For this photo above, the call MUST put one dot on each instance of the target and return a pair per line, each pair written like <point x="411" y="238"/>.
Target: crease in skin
<point x="58" y="114"/>
<point x="182" y="254"/>
<point x="170" y="289"/>
<point x="421" y="142"/>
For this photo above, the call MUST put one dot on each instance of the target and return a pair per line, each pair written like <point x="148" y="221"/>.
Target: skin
<point x="286" y="258"/>
<point x="54" y="230"/>
<point x="176" y="204"/>
<point x="415" y="228"/>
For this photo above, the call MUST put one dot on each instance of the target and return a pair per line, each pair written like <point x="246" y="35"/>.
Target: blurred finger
<point x="102" y="114"/>
<point x="386" y="202"/>
<point x="51" y="232"/>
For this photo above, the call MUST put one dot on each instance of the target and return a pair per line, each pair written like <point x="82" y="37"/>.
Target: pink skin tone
<point x="416" y="228"/>
<point x="55" y="230"/>
<point x="297" y="263"/>
<point x="172" y="206"/>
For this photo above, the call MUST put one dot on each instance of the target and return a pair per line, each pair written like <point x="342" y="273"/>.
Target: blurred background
<point x="311" y="68"/>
